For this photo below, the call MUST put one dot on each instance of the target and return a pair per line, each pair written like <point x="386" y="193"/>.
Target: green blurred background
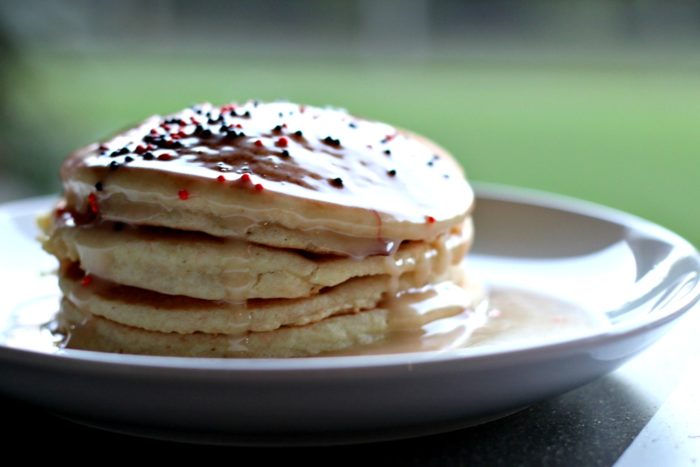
<point x="597" y="100"/>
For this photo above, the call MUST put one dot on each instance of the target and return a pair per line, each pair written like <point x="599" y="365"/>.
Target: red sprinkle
<point x="154" y="131"/>
<point x="238" y="125"/>
<point x="87" y="280"/>
<point x="92" y="203"/>
<point x="259" y="143"/>
<point x="165" y="157"/>
<point x="282" y="142"/>
<point x="430" y="219"/>
<point x="140" y="149"/>
<point x="259" y="187"/>
<point x="183" y="194"/>
<point x="245" y="178"/>
<point x="221" y="179"/>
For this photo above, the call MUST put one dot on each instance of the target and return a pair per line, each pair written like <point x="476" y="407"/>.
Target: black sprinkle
<point x="128" y="159"/>
<point x="277" y="129"/>
<point x="114" y="154"/>
<point x="99" y="186"/>
<point x="337" y="182"/>
<point x="331" y="141"/>
<point x="123" y="151"/>
<point x="148" y="156"/>
<point x="206" y="133"/>
<point x="298" y="133"/>
<point x="391" y="173"/>
<point x="246" y="114"/>
<point x="233" y="113"/>
<point x="285" y="153"/>
<point x="352" y="125"/>
<point x="256" y="103"/>
<point x="232" y="134"/>
<point x="430" y="163"/>
<point x="114" y="165"/>
<point x="280" y="114"/>
<point x="387" y="152"/>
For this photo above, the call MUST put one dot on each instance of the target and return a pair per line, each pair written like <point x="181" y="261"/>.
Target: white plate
<point x="634" y="276"/>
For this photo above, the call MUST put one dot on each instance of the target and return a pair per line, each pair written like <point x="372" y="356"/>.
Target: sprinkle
<point x="221" y="179"/>
<point x="165" y="157"/>
<point x="277" y="129"/>
<point x="282" y="142"/>
<point x="114" y="165"/>
<point x="298" y="134"/>
<point x="391" y="173"/>
<point x="246" y="114"/>
<point x="430" y="163"/>
<point x="114" y="154"/>
<point x="352" y="125"/>
<point x="245" y="178"/>
<point x="258" y="187"/>
<point x="183" y="194"/>
<point x="387" y="152"/>
<point x="430" y="219"/>
<point x="92" y="203"/>
<point x="128" y="159"/>
<point x="140" y="149"/>
<point x="331" y="141"/>
<point x="285" y="153"/>
<point x="87" y="280"/>
<point x="148" y="156"/>
<point x="337" y="182"/>
<point x="99" y="186"/>
<point x="259" y="143"/>
<point x="102" y="147"/>
<point x="231" y="134"/>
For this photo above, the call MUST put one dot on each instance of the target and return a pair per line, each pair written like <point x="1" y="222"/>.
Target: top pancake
<point x="279" y="174"/>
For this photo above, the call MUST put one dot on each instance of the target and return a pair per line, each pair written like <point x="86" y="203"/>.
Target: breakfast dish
<point x="259" y="230"/>
<point x="540" y="255"/>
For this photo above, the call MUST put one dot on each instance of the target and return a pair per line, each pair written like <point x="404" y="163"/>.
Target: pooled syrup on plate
<point x="506" y="318"/>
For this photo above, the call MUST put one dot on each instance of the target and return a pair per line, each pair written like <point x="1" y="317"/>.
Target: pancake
<point x="166" y="313"/>
<point x="277" y="174"/>
<point x="259" y="230"/>
<point x="89" y="332"/>
<point x="407" y="316"/>
<point x="201" y="266"/>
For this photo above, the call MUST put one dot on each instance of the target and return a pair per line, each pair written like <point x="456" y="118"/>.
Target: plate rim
<point x="475" y="356"/>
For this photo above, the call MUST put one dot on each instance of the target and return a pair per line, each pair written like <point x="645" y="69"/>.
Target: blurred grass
<point x="625" y="136"/>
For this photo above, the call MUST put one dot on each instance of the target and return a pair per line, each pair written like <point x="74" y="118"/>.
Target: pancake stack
<point x="258" y="230"/>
